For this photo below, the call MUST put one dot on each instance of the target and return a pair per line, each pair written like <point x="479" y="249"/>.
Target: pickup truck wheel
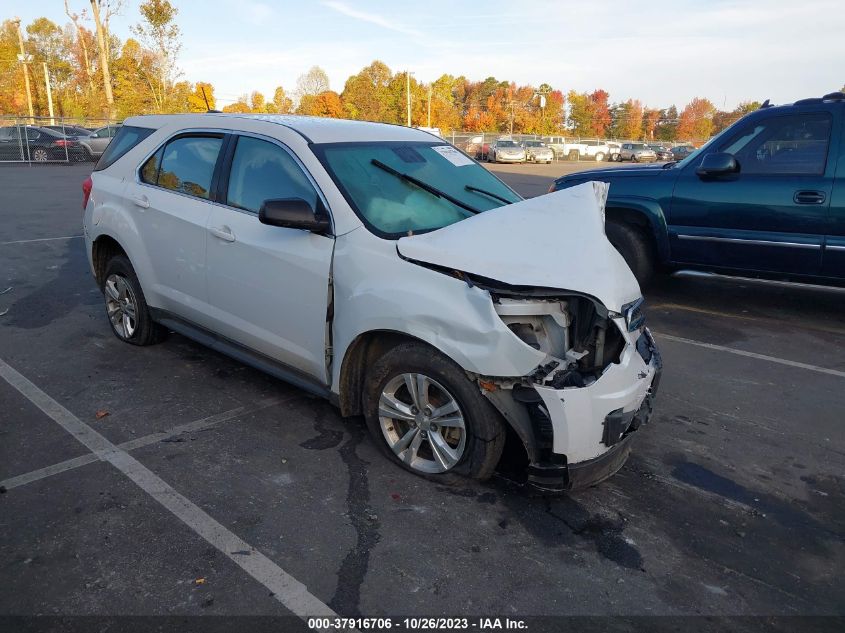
<point x="634" y="158"/>
<point x="429" y="418"/>
<point x="599" y="157"/>
<point x="126" y="307"/>
<point x="635" y="249"/>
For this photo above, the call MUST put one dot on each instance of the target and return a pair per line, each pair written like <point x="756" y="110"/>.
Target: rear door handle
<point x="141" y="201"/>
<point x="224" y="233"/>
<point x="809" y="197"/>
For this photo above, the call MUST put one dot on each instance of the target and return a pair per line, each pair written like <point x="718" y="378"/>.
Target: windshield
<point x="393" y="206"/>
<point x="534" y="144"/>
<point x="506" y="144"/>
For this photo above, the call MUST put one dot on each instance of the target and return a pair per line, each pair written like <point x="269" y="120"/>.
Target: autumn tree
<point x="257" y="103"/>
<point x="650" y="118"/>
<point x="159" y="32"/>
<point x="196" y="100"/>
<point x="365" y="95"/>
<point x="241" y="106"/>
<point x="281" y="104"/>
<point x="312" y="83"/>
<point x="600" y="112"/>
<point x="696" y="121"/>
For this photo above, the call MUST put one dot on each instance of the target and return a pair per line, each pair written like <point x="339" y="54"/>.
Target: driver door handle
<point x="224" y="233"/>
<point x="809" y="197"/>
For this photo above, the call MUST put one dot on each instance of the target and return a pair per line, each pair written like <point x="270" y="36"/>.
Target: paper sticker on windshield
<point x="452" y="155"/>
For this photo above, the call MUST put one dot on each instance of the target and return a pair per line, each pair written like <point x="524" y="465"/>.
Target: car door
<point x="772" y="215"/>
<point x="268" y="285"/>
<point x="170" y="204"/>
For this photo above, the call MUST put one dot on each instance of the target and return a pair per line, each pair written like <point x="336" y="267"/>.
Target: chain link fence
<point x="54" y="139"/>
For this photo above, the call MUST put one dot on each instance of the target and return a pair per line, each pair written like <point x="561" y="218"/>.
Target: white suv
<point x="380" y="267"/>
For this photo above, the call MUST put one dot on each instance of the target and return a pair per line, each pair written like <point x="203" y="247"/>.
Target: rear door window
<point x="185" y="164"/>
<point x="126" y="138"/>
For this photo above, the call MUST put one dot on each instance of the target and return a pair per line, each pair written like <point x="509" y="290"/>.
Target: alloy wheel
<point x="422" y="423"/>
<point x="39" y="155"/>
<point x="121" y="306"/>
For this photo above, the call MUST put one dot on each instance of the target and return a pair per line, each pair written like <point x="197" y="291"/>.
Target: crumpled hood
<point x="553" y="241"/>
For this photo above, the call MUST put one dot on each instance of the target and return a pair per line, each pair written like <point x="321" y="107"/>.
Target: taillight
<point x="86" y="191"/>
<point x="62" y="142"/>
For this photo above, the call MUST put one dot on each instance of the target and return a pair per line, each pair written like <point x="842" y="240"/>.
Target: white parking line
<point x="146" y="440"/>
<point x="42" y="239"/>
<point x="742" y="352"/>
<point x="284" y="587"/>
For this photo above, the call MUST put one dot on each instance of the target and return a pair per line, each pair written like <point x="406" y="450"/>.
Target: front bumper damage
<point x="579" y="436"/>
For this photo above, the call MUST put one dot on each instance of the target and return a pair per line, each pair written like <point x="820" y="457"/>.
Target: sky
<point x="661" y="53"/>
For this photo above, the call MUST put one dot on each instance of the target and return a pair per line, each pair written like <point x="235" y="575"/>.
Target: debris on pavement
<point x="101" y="414"/>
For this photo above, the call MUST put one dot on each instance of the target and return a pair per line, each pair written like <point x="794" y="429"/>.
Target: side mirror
<point x="295" y="213"/>
<point x="717" y="164"/>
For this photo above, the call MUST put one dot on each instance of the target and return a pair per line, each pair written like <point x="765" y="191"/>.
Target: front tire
<point x="429" y="418"/>
<point x="599" y="157"/>
<point x="635" y="249"/>
<point x="126" y="307"/>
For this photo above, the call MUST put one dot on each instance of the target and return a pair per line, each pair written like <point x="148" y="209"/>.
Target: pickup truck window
<point x="795" y="144"/>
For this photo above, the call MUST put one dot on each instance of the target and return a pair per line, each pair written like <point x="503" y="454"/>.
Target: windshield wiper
<point x="671" y="163"/>
<point x="487" y="193"/>
<point x="424" y="186"/>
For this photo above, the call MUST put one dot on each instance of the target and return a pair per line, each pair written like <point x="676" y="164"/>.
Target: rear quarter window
<point x="127" y="137"/>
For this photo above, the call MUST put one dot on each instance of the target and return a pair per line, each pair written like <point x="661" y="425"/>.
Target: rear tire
<point x="126" y="307"/>
<point x="470" y="436"/>
<point x="635" y="249"/>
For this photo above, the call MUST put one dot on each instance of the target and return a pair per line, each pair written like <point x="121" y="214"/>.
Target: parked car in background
<point x="614" y="151"/>
<point x="595" y="150"/>
<point x="681" y="151"/>
<point x="40" y="145"/>
<point x="98" y="140"/>
<point x="69" y="130"/>
<point x="431" y="130"/>
<point x="763" y="198"/>
<point x="661" y="152"/>
<point x="538" y="152"/>
<point x="505" y="150"/>
<point x="637" y="152"/>
<point x="566" y="149"/>
<point x="417" y="300"/>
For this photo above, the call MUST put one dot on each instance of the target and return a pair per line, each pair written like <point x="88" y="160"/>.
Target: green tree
<point x="667" y="124"/>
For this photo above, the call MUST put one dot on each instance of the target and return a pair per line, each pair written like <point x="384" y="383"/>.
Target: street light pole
<point x="408" y="94"/>
<point x="23" y="58"/>
<point x="429" y="105"/>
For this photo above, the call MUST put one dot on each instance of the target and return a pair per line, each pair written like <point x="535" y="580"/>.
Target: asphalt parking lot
<point x="215" y="489"/>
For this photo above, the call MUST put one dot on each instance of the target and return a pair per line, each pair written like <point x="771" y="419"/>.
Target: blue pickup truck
<point x="764" y="198"/>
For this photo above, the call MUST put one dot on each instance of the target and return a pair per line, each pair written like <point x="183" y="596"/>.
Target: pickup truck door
<point x="772" y="216"/>
<point x="833" y="256"/>
<point x="268" y="286"/>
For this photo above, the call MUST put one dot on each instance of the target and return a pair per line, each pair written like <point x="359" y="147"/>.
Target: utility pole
<point x="104" y="60"/>
<point x="408" y="94"/>
<point x="24" y="59"/>
<point x="49" y="92"/>
<point x="429" y="105"/>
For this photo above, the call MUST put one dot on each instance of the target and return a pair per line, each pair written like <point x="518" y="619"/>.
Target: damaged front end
<point x="576" y="411"/>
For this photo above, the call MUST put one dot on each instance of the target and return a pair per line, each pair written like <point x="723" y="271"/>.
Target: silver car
<point x="636" y="152"/>
<point x="506" y="151"/>
<point x="538" y="152"/>
<point x="99" y="139"/>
